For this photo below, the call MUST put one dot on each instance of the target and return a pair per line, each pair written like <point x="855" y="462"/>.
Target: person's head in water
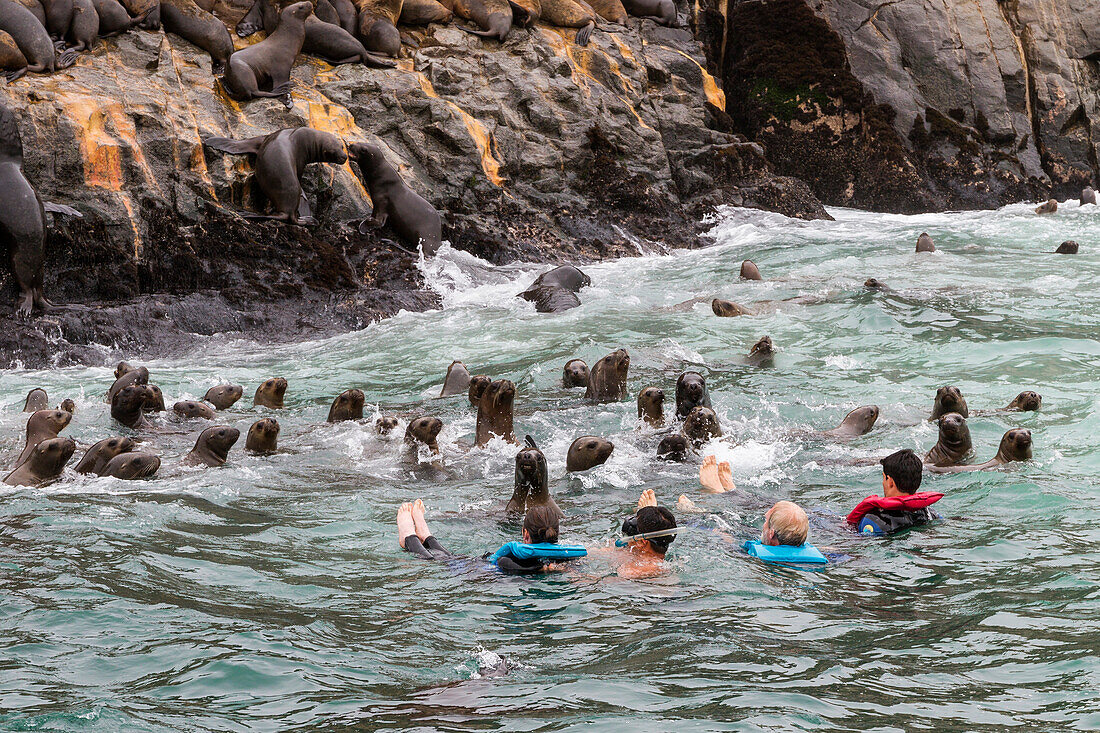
<point x="785" y="524"/>
<point x="655" y="519"/>
<point x="901" y="473"/>
<point x="540" y="524"/>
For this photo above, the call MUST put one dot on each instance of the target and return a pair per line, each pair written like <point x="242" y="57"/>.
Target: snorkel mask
<point x="631" y="534"/>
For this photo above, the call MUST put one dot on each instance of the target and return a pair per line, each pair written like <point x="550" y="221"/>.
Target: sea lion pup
<point x="662" y="12"/>
<point x="749" y="271"/>
<point x="1068" y="247"/>
<point x="100" y="454"/>
<point x="1049" y="207"/>
<point x="193" y="409"/>
<point x="607" y="380"/>
<point x="385" y="424"/>
<point x="953" y="445"/>
<point x="263" y="70"/>
<point x="673" y="448"/>
<point x="132" y="465"/>
<point x="128" y="405"/>
<point x="493" y="16"/>
<point x="762" y="353"/>
<point x="478" y="385"/>
<point x="37" y="399"/>
<point x="1015" y="446"/>
<point x="43" y="464"/>
<point x="12" y="60"/>
<point x="212" y="446"/>
<point x="571" y="14"/>
<point x="588" y="451"/>
<point x="281" y="157"/>
<point x="338" y="46"/>
<point x="224" y="396"/>
<point x="126" y="379"/>
<point x="701" y="425"/>
<point x="191" y="23"/>
<point x="575" y="374"/>
<point x="925" y="243"/>
<point x="651" y="406"/>
<point x="691" y="392"/>
<point x="408" y="213"/>
<point x="68" y="406"/>
<point x="43" y="425"/>
<point x="948" y="399"/>
<point x="84" y="28"/>
<point x="1088" y="195"/>
<point x="148" y="11"/>
<point x="457" y="380"/>
<point x="263" y="436"/>
<point x="348" y="405"/>
<point x="424" y="431"/>
<point x="1025" y="402"/>
<point x="270" y="393"/>
<point x="377" y="25"/>
<point x="856" y="423"/>
<point x="423" y="12"/>
<point x="728" y="309"/>
<point x="494" y="412"/>
<point x="532" y="484"/>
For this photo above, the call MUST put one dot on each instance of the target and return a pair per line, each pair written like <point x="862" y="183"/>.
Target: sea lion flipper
<point x="11" y="76"/>
<point x="66" y="58"/>
<point x="529" y="441"/>
<point x="61" y="209"/>
<point x="584" y="34"/>
<point x="305" y="214"/>
<point x="377" y="62"/>
<point x="248" y="146"/>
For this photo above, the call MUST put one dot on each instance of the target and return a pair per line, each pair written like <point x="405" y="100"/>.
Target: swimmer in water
<point x="641" y="556"/>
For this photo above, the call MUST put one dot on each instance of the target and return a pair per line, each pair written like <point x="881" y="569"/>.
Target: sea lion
<point x="607" y="380"/>
<point x="385" y="424"/>
<point x="588" y="451"/>
<point x="423" y="12"/>
<point x="953" y="445"/>
<point x="37" y="399"/>
<point x="856" y="423"/>
<point x="324" y="11"/>
<point x="424" y="431"/>
<point x="532" y="484"/>
<point x="762" y="353"/>
<point x="270" y="393"/>
<point x="325" y="39"/>
<point x="349" y="16"/>
<point x="131" y="466"/>
<point x="263" y="436"/>
<point x="651" y="406"/>
<point x="224" y="396"/>
<point x="139" y="375"/>
<point x="610" y="10"/>
<point x="113" y="18"/>
<point x="263" y="70"/>
<point x="564" y="276"/>
<point x="212" y="446"/>
<point x="1025" y="402"/>
<point x="148" y="11"/>
<point x="948" y="399"/>
<point x="1068" y="247"/>
<point x="571" y="14"/>
<point x="35" y="44"/>
<point x="408" y="213"/>
<point x="875" y="284"/>
<point x="925" y="243"/>
<point x="124" y="367"/>
<point x="494" y="17"/>
<point x="194" y="409"/>
<point x="1015" y="446"/>
<point x="552" y="299"/>
<point x="84" y="28"/>
<point x="673" y="447"/>
<point x="155" y="401"/>
<point x="36" y="9"/>
<point x="494" y="412"/>
<point x="100" y="454"/>
<point x="1088" y="195"/>
<point x="457" y="380"/>
<point x="43" y="425"/>
<point x="662" y="12"/>
<point x="1049" y="207"/>
<point x="191" y="23"/>
<point x="59" y="16"/>
<point x="575" y="374"/>
<point x="68" y="406"/>
<point x="701" y="426"/>
<point x="478" y="385"/>
<point x="44" y="463"/>
<point x="728" y="309"/>
<point x="128" y="405"/>
<point x="348" y="405"/>
<point x="12" y="60"/>
<point x="749" y="271"/>
<point x="377" y="25"/>
<point x="691" y="392"/>
<point x="281" y="157"/>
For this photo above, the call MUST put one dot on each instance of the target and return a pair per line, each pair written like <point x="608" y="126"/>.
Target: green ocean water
<point x="270" y="594"/>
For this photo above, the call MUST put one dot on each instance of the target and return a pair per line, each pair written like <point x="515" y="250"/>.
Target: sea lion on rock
<point x="100" y="454"/>
<point x="424" y="431"/>
<point x="131" y="466"/>
<point x="59" y="16"/>
<point x="423" y="12"/>
<point x="36" y="10"/>
<point x="348" y="405"/>
<point x="494" y="17"/>
<point x="691" y="392"/>
<point x="44" y="463"/>
<point x="478" y="385"/>
<point x="571" y="14"/>
<point x="494" y="412"/>
<point x="128" y="405"/>
<point x="1049" y="207"/>
<point x="728" y="309"/>
<point x="281" y="157"/>
<point x="349" y="16"/>
<point x="84" y="28"/>
<point x="147" y="10"/>
<point x="270" y="394"/>
<point x="194" y="409"/>
<point x="651" y="406"/>
<point x="701" y="426"/>
<point x="925" y="243"/>
<point x="749" y="271"/>
<point x="37" y="399"/>
<point x="662" y="12"/>
<point x="377" y="25"/>
<point x="457" y="380"/>
<point x="325" y="39"/>
<point x="856" y="423"/>
<point x="1015" y="446"/>
<point x="68" y="406"/>
<point x="212" y="446"/>
<point x="607" y="380"/>
<point x="948" y="399"/>
<point x="953" y="445"/>
<point x="224" y="396"/>
<point x="34" y="42"/>
<point x="130" y="377"/>
<point x="385" y="424"/>
<point x="113" y="18"/>
<point x="263" y="436"/>
<point x="674" y="448"/>
<point x="762" y="353"/>
<point x="12" y="60"/>
<point x="192" y="23"/>
<point x="575" y="374"/>
<point x="263" y="70"/>
<point x="1068" y="247"/>
<point x="610" y="10"/>
<point x="408" y="213"/>
<point x="1088" y="195"/>
<point x="588" y="451"/>
<point x="1025" y="402"/>
<point x="532" y="484"/>
<point x="43" y="425"/>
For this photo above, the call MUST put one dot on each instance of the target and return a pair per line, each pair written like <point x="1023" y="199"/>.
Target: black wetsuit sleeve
<point x="510" y="564"/>
<point x="429" y="549"/>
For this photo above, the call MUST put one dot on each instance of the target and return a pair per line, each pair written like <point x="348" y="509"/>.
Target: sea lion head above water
<point x="875" y="284"/>
<point x="925" y="243"/>
<point x="68" y="406"/>
<point x="691" y="392"/>
<point x="728" y="309"/>
<point x="348" y="405"/>
<point x="651" y="405"/>
<point x="224" y="396"/>
<point x="701" y="426"/>
<point x="749" y="271"/>
<point x="100" y="454"/>
<point x="155" y="401"/>
<point x="575" y="374"/>
<point x="385" y="424"/>
<point x="123" y="368"/>
<point x="857" y="422"/>
<point x="494" y="412"/>
<point x="1088" y="195"/>
<point x="37" y="399"/>
<point x="949" y="399"/>
<point x="1068" y="247"/>
<point x="607" y="379"/>
<point x="532" y="482"/>
<point x="128" y="405"/>
<point x="954" y="442"/>
<point x="212" y="446"/>
<point x="1050" y="207"/>
<point x="270" y="393"/>
<point x="565" y="276"/>
<point x="193" y="409"/>
<point x="457" y="380"/>
<point x="263" y="436"/>
<point x="1015" y="446"/>
<point x="424" y="431"/>
<point x="42" y="425"/>
<point x="1026" y="402"/>
<point x="588" y="451"/>
<point x="478" y="385"/>
<point x="132" y="465"/>
<point x="44" y="463"/>
<point x="762" y="352"/>
<point x="674" y="448"/>
<point x="140" y="375"/>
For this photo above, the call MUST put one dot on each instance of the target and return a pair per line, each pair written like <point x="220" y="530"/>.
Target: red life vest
<point x="905" y="503"/>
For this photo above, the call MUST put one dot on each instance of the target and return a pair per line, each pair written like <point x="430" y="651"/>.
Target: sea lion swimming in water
<point x="194" y="409"/>
<point x="749" y="271"/>
<point x="155" y="401"/>
<point x="651" y="406"/>
<point x="132" y="465"/>
<point x="1088" y="195"/>
<point x="1015" y="446"/>
<point x="588" y="451"/>
<point x="1050" y="207"/>
<point x="212" y="446"/>
<point x="385" y="424"/>
<point x="43" y="425"/>
<point x="1068" y="247"/>
<point x="1025" y="402"/>
<point x="875" y="284"/>
<point x="607" y="380"/>
<point x="662" y="12"/>
<point x="44" y="463"/>
<point x="408" y="213"/>
<point x="691" y="392"/>
<point x="948" y="399"/>
<point x="728" y="309"/>
<point x="100" y="454"/>
<point x="263" y="70"/>
<point x="263" y="436"/>
<point x="575" y="374"/>
<point x="953" y="445"/>
<point x="552" y="299"/>
<point x="281" y="157"/>
<point x="494" y="412"/>
<point x="424" y="431"/>
<point x="762" y="353"/>
<point x="128" y="405"/>
<point x="478" y="385"/>
<point x="125" y="367"/>
<point x="925" y="243"/>
<point x="701" y="426"/>
<point x="856" y="423"/>
<point x="68" y="406"/>
<point x="532" y="483"/>
<point x="457" y="380"/>
<point x="131" y="376"/>
<point x="563" y="276"/>
<point x="270" y="394"/>
<point x="673" y="448"/>
<point x="224" y="396"/>
<point x="348" y="405"/>
<point x="37" y="399"/>
<point x="194" y="24"/>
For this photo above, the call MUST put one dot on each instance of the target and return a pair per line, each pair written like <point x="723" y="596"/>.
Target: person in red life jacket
<point x="901" y="505"/>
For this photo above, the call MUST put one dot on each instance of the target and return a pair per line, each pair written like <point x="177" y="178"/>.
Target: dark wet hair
<point x="541" y="522"/>
<point x="905" y="468"/>
<point x="654" y="519"/>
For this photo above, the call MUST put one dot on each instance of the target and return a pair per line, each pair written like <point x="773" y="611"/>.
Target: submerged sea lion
<point x="749" y="271"/>
<point x="224" y="396"/>
<point x="701" y="426"/>
<point x="651" y="406"/>
<point x="377" y="25"/>
<point x="44" y="463"/>
<point x="43" y="425"/>
<point x="457" y="380"/>
<point x="1068" y="247"/>
<point x="494" y="412"/>
<point x="1015" y="446"/>
<point x="1088" y="195"/>
<point x="494" y="17"/>
<point x="691" y="392"/>
<point x="1025" y="402"/>
<point x="423" y="12"/>
<point x="762" y="353"/>
<point x="194" y="409"/>
<point x="532" y="484"/>
<point x="281" y="157"/>
<point x="953" y="445"/>
<point x="571" y="14"/>
<point x="132" y="465"/>
<point x="588" y="451"/>
<point x="192" y="23"/>
<point x="948" y="399"/>
<point x="212" y="446"/>
<point x="607" y="380"/>
<point x="263" y="436"/>
<point x="924" y="243"/>
<point x="424" y="431"/>
<point x="12" y="60"/>
<point x="348" y="405"/>
<point x="130" y="377"/>
<point x="575" y="374"/>
<point x="37" y="399"/>
<point x="385" y="424"/>
<point x="876" y="284"/>
<point x="673" y="447"/>
<point x="478" y="385"/>
<point x="1049" y="207"/>
<point x="856" y="423"/>
<point x="263" y="70"/>
<point x="408" y="213"/>
<point x="128" y="405"/>
<point x="728" y="309"/>
<point x="84" y="28"/>
<point x="662" y="12"/>
<point x="100" y="454"/>
<point x="270" y="393"/>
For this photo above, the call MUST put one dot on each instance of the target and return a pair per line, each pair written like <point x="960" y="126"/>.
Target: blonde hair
<point x="789" y="523"/>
